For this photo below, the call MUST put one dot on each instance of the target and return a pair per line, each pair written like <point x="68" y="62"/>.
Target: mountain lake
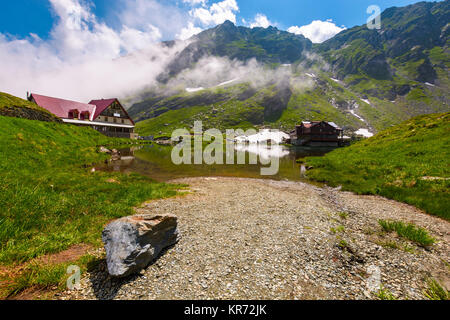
<point x="155" y="161"/>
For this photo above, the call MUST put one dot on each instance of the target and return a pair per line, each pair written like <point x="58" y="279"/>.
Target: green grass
<point x="435" y="291"/>
<point x="45" y="277"/>
<point x="385" y="294"/>
<point x="343" y="215"/>
<point x="49" y="198"/>
<point x="9" y="103"/>
<point x="408" y="231"/>
<point x="395" y="245"/>
<point x="339" y="229"/>
<point x="394" y="164"/>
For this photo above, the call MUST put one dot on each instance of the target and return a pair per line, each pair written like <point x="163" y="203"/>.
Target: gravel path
<point x="262" y="239"/>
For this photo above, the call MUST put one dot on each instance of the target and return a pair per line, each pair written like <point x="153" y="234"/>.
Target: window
<point x="74" y="114"/>
<point x="85" y="115"/>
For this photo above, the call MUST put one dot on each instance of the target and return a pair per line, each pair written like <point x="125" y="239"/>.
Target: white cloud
<point x="260" y="21"/>
<point x="136" y="39"/>
<point x="83" y="58"/>
<point x="217" y="13"/>
<point x="188" y="32"/>
<point x="317" y="31"/>
<point x="163" y="14"/>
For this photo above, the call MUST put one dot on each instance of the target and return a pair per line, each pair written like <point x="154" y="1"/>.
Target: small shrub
<point x="385" y="294"/>
<point x="339" y="229"/>
<point x="343" y="215"/>
<point x="343" y="244"/>
<point x="435" y="291"/>
<point x="409" y="231"/>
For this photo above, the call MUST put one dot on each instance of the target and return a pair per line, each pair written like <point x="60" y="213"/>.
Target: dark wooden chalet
<point x="107" y="116"/>
<point x="317" y="134"/>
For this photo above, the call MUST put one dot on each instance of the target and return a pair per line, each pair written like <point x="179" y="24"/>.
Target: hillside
<point x="11" y="106"/>
<point x="243" y="106"/>
<point x="408" y="163"/>
<point x="50" y="200"/>
<point x="361" y="78"/>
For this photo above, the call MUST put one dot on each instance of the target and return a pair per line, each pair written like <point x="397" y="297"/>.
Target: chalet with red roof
<point x="107" y="116"/>
<point x="317" y="134"/>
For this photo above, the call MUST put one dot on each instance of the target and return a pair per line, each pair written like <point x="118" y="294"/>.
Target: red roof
<point x="101" y="105"/>
<point x="104" y="104"/>
<point x="61" y="107"/>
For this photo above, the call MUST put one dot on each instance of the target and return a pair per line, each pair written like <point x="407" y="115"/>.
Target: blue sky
<point x="22" y="17"/>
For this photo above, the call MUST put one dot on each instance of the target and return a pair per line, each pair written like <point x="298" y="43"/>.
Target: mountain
<point x="268" y="45"/>
<point x="360" y="78"/>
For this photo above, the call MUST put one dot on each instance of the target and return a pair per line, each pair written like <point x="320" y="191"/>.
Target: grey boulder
<point x="132" y="243"/>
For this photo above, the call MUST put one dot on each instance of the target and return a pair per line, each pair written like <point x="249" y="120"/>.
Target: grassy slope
<point x="7" y="100"/>
<point x="393" y="163"/>
<point x="14" y="106"/>
<point x="49" y="200"/>
<point x="304" y="104"/>
<point x="231" y="112"/>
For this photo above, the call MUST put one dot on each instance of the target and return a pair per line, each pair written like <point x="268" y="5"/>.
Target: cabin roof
<point x="62" y="107"/>
<point x="310" y="124"/>
<point x="103" y="104"/>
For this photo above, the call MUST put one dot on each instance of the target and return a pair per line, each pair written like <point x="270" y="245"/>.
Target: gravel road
<point x="263" y="239"/>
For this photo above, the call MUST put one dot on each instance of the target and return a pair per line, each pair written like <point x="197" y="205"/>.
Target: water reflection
<point x="155" y="161"/>
<point x="264" y="152"/>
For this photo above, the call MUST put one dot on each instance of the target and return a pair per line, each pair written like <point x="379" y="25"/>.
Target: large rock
<point x="115" y="155"/>
<point x="131" y="243"/>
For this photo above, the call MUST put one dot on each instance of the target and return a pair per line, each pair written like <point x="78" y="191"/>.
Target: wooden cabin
<point x="317" y="134"/>
<point x="107" y="116"/>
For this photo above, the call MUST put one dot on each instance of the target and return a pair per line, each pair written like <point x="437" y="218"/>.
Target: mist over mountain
<point x="266" y="45"/>
<point x="361" y="78"/>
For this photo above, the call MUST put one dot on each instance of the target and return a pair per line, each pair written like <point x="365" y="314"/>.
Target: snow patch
<point x="366" y="101"/>
<point x="227" y="82"/>
<point x="312" y="75"/>
<point x="264" y="135"/>
<point x="430" y="84"/>
<point x="335" y="80"/>
<point x="364" y="132"/>
<point x="357" y="116"/>
<point x="190" y="90"/>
